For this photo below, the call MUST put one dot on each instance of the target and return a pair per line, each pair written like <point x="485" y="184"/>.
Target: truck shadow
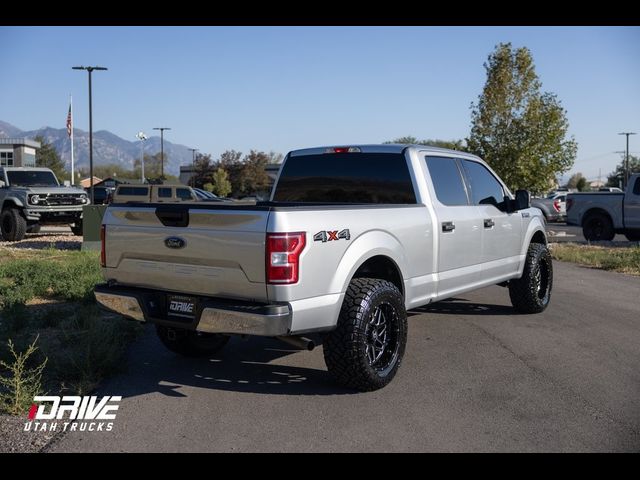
<point x="462" y="306"/>
<point x="242" y="366"/>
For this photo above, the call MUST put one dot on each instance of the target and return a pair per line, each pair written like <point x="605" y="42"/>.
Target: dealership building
<point x="18" y="152"/>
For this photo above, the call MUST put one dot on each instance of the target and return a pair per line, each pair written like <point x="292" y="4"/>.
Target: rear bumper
<point x="213" y="315"/>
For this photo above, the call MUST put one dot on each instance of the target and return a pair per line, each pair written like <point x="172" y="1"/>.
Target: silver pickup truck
<point x="601" y="215"/>
<point x="351" y="239"/>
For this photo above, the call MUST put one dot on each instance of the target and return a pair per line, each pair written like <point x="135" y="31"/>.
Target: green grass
<point x="48" y="294"/>
<point x="617" y="259"/>
<point x="52" y="274"/>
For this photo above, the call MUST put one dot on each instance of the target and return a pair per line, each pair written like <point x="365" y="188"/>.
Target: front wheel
<point x="13" y="225"/>
<point x="531" y="293"/>
<point x="190" y="343"/>
<point x="366" y="348"/>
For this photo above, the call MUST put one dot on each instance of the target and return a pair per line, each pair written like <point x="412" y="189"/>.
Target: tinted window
<point x="346" y="178"/>
<point x="447" y="181"/>
<point x="31" y="178"/>
<point x="636" y="187"/>
<point x="164" y="192"/>
<point x="485" y="188"/>
<point x="135" y="191"/>
<point x="184" y="194"/>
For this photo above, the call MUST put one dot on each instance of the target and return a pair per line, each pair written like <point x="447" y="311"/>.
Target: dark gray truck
<point x="31" y="197"/>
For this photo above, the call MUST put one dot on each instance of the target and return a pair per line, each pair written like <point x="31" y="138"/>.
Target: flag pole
<point x="73" y="181"/>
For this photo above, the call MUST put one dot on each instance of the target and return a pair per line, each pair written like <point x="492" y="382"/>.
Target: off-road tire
<point x="348" y="349"/>
<point x="531" y="293"/>
<point x="597" y="226"/>
<point x="190" y="343"/>
<point x="12" y="225"/>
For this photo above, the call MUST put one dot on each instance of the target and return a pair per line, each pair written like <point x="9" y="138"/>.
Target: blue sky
<point x="280" y="88"/>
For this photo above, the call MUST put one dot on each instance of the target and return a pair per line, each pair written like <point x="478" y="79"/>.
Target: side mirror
<point x="1" y="183"/>
<point x="522" y="200"/>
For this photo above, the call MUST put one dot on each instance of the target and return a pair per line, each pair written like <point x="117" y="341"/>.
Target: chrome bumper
<point x="214" y="317"/>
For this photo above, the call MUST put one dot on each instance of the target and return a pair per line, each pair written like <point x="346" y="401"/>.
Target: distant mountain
<point x="107" y="147"/>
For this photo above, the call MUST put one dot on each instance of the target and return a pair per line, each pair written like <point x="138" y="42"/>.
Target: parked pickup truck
<point x="31" y="197"/>
<point x="553" y="207"/>
<point x="601" y="215"/>
<point x="351" y="238"/>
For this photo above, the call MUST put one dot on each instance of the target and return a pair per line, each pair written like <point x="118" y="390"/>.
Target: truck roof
<point x="381" y="148"/>
<point x="30" y="169"/>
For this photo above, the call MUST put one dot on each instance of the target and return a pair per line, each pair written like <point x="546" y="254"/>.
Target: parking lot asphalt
<point x="475" y="377"/>
<point x="561" y="232"/>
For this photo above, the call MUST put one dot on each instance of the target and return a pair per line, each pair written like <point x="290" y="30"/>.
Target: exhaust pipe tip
<point x="301" y="343"/>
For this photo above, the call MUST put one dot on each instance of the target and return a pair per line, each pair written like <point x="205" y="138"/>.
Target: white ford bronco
<point x="351" y="238"/>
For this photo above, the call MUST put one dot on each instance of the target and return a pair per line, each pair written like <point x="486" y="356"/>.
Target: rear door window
<point x="447" y="181"/>
<point x="164" y="192"/>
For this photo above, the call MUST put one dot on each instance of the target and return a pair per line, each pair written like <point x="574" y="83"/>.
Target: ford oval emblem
<point x="174" y="242"/>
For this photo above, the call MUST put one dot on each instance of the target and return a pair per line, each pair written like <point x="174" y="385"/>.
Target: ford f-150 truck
<point x="601" y="215"/>
<point x="351" y="238"/>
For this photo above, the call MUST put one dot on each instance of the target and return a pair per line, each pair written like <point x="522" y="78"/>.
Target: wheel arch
<point x="595" y="211"/>
<point x="376" y="254"/>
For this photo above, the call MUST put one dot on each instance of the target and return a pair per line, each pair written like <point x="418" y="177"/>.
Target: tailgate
<point x="188" y="248"/>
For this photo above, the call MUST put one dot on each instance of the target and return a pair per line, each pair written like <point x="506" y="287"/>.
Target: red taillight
<point x="569" y="203"/>
<point x="283" y="256"/>
<point x="556" y="205"/>
<point x="103" y="252"/>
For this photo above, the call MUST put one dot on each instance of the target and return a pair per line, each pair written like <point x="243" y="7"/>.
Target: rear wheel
<point x="13" y="225"/>
<point x="598" y="226"/>
<point x="366" y="348"/>
<point x="190" y="343"/>
<point x="531" y="293"/>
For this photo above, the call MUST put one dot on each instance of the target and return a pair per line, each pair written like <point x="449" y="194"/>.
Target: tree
<point x="220" y="185"/>
<point x="204" y="169"/>
<point x="582" y="185"/>
<point x="273" y="157"/>
<point x="450" y="144"/>
<point x="519" y="130"/>
<point x="616" y="178"/>
<point x="574" y="180"/>
<point x="254" y="176"/>
<point x="47" y="156"/>
<point x="231" y="161"/>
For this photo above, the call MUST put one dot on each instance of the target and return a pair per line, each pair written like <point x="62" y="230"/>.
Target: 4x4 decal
<point x="330" y="235"/>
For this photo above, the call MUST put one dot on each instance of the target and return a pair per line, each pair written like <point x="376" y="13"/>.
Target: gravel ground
<point x="53" y="237"/>
<point x="14" y="439"/>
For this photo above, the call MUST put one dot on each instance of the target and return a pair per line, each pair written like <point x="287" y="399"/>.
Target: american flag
<point x="69" y="122"/>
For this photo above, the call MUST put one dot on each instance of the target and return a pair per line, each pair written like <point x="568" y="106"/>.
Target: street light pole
<point x="90" y="70"/>
<point x="626" y="158"/>
<point x="142" y="137"/>
<point x="193" y="167"/>
<point x="162" y="129"/>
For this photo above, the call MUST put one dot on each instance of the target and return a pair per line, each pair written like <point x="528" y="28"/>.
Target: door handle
<point x="489" y="223"/>
<point x="448" y="226"/>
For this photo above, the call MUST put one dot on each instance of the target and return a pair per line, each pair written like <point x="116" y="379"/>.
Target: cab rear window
<point x="378" y="178"/>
